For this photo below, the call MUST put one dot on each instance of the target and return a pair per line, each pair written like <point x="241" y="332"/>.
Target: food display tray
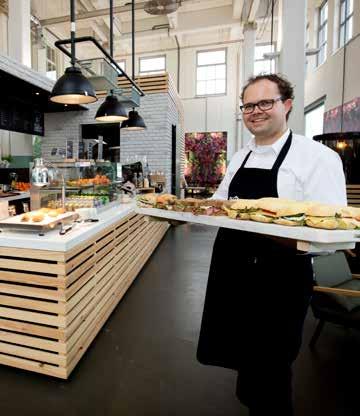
<point x="49" y="223"/>
<point x="308" y="239"/>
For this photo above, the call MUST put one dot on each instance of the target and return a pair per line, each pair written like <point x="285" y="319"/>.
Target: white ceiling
<point x="196" y="22"/>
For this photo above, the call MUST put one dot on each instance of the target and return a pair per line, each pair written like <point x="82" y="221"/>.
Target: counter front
<point x="56" y="292"/>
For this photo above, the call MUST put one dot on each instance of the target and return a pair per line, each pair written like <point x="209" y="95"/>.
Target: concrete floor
<point x="143" y="361"/>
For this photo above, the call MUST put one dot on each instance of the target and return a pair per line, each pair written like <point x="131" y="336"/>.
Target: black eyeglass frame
<point x="260" y="104"/>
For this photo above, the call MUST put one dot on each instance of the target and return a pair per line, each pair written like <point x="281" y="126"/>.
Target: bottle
<point x="136" y="180"/>
<point x="140" y="180"/>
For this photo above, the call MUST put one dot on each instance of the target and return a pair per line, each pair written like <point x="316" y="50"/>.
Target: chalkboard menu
<point x="20" y="116"/>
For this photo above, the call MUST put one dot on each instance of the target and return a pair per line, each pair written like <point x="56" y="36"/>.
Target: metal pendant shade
<point x="134" y="123"/>
<point x="111" y="110"/>
<point x="73" y="88"/>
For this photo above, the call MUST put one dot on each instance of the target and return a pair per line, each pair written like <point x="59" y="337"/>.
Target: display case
<point x="88" y="184"/>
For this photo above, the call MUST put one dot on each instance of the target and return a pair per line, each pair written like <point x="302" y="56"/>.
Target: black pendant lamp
<point x="73" y="87"/>
<point x="135" y="121"/>
<point x="111" y="109"/>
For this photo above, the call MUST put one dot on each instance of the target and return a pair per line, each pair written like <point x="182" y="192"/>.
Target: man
<point x="259" y="288"/>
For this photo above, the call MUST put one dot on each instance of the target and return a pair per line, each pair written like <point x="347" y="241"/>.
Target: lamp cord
<point x="73" y="25"/>
<point x="133" y="37"/>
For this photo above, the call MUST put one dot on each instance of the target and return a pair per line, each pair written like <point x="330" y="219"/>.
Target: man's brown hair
<point x="286" y="90"/>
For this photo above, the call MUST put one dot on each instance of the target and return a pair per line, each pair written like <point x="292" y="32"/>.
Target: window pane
<point x="201" y="73"/>
<point x="220" y="86"/>
<point x="210" y="87"/>
<point x="201" y="88"/>
<point x="350" y="7"/>
<point x="342" y="34"/>
<point x="211" y="72"/>
<point x="152" y="64"/>
<point x="211" y="57"/>
<point x="314" y="121"/>
<point x="342" y="12"/>
<point x="323" y="13"/>
<point x="220" y="72"/>
<point x="263" y="67"/>
<point x="260" y="50"/>
<point x="349" y="29"/>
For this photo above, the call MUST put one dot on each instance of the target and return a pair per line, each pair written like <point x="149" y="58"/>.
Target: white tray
<point x="308" y="239"/>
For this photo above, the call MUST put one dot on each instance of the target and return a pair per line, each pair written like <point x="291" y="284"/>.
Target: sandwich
<point x="292" y="213"/>
<point x="165" y="201"/>
<point x="213" y="207"/>
<point x="267" y="209"/>
<point x="241" y="208"/>
<point x="323" y="216"/>
<point x="187" y="204"/>
<point x="349" y="218"/>
<point x="147" y="200"/>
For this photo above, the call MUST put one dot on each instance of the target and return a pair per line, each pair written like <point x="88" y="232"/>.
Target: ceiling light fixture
<point x="111" y="109"/>
<point x="73" y="87"/>
<point x="135" y="121"/>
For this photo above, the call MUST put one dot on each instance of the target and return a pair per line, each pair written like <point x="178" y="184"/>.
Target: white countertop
<point x="53" y="241"/>
<point x="22" y="195"/>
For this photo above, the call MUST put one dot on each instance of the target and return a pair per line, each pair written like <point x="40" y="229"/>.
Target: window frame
<point x="321" y="26"/>
<point x="157" y="71"/>
<point x="314" y="106"/>
<point x="198" y="52"/>
<point x="344" y="24"/>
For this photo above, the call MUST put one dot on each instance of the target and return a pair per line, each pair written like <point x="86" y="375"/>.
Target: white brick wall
<point x="159" y="111"/>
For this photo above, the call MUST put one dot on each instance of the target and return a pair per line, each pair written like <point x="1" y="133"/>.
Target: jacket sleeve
<point x="325" y="181"/>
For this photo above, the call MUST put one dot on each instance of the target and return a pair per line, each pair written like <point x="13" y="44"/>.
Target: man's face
<point x="270" y="122"/>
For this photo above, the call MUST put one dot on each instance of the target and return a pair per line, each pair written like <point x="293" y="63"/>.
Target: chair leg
<point x="316" y="334"/>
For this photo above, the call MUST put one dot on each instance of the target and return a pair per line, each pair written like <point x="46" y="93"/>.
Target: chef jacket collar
<point x="275" y="147"/>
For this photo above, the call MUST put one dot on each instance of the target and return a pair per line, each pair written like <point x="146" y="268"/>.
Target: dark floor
<point x="143" y="361"/>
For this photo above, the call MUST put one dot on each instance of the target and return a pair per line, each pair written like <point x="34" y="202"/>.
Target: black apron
<point x="256" y="300"/>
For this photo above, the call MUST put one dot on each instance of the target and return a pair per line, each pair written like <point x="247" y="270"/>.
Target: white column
<point x="19" y="31"/>
<point x="247" y="69"/>
<point x="292" y="34"/>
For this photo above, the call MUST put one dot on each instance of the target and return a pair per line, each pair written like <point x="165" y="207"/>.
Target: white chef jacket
<point x="311" y="171"/>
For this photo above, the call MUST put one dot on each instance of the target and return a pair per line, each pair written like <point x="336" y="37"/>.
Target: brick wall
<point x="159" y="111"/>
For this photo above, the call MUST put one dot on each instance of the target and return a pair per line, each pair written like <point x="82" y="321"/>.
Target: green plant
<point x="9" y="158"/>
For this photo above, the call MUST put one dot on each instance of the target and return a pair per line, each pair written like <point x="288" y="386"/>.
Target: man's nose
<point x="257" y="110"/>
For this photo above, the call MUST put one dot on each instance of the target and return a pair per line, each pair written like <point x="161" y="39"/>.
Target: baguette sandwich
<point x="165" y="201"/>
<point x="241" y="208"/>
<point x="323" y="216"/>
<point x="292" y="213"/>
<point x="267" y="209"/>
<point x="186" y="204"/>
<point x="349" y="218"/>
<point x="147" y="200"/>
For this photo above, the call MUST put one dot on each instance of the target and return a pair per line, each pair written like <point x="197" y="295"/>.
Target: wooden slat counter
<point x="54" y="302"/>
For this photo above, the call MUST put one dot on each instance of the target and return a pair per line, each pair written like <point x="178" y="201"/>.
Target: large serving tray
<point x="308" y="239"/>
<point x="49" y="223"/>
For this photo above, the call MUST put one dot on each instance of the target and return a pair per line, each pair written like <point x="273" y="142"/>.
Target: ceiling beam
<point x="238" y="6"/>
<point x="253" y="10"/>
<point x="95" y="13"/>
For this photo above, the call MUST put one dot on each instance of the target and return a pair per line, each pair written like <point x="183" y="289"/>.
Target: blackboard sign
<point x="23" y="117"/>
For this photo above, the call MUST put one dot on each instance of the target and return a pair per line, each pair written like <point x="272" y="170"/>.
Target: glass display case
<point x="88" y="184"/>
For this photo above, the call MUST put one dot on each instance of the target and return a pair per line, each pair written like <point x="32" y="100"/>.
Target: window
<point x="261" y="64"/>
<point x="346" y="21"/>
<point x="314" y="120"/>
<point x="211" y="72"/>
<point x="122" y="64"/>
<point x="152" y="65"/>
<point x="322" y="33"/>
<point x="50" y="63"/>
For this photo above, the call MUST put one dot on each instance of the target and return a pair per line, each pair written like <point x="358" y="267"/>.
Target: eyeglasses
<point x="263" y="105"/>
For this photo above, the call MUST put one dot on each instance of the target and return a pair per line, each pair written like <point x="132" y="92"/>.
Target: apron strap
<point x="245" y="160"/>
<point x="282" y="153"/>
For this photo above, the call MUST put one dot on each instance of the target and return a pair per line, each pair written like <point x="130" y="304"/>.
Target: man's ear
<point x="288" y="105"/>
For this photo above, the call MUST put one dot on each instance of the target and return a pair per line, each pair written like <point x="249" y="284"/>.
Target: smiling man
<point x="259" y="288"/>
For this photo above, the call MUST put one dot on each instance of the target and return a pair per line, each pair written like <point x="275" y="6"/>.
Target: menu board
<point x="22" y="117"/>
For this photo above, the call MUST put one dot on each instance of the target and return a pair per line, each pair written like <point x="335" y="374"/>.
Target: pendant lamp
<point x="111" y="109"/>
<point x="135" y="121"/>
<point x="73" y="87"/>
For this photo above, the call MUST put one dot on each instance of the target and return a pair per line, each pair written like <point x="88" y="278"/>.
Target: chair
<point x="336" y="296"/>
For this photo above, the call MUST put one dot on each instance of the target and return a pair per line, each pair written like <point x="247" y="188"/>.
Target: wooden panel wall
<point x="53" y="304"/>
